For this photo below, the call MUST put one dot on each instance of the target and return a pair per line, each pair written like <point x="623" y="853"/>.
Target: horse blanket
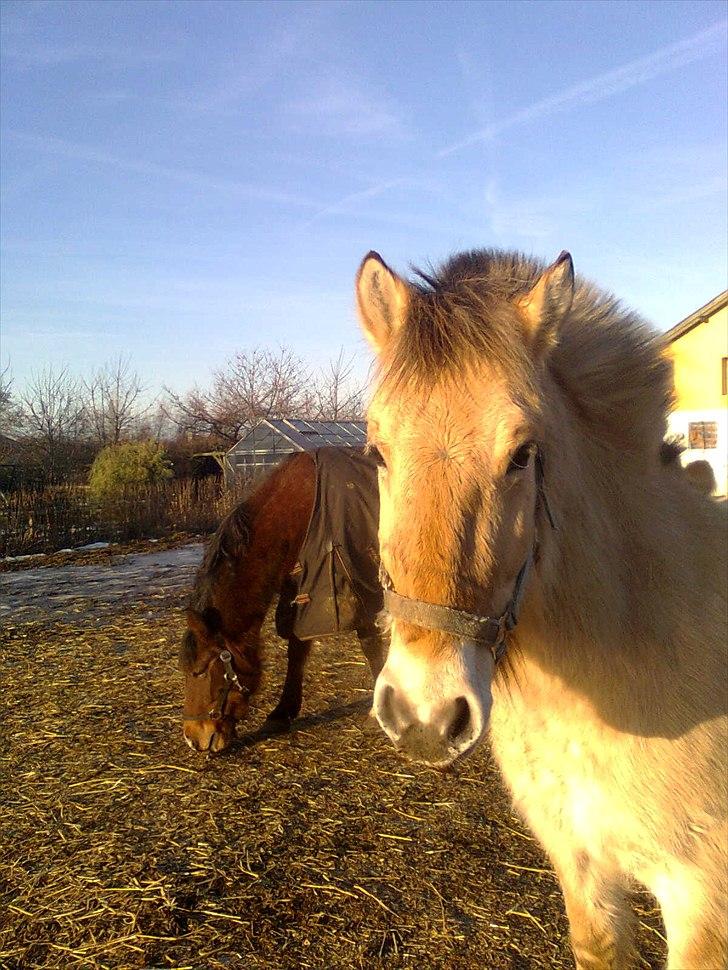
<point x="335" y="586"/>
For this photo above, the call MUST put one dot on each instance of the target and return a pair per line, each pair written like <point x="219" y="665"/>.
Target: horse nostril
<point x="385" y="706"/>
<point x="461" y="719"/>
<point x="191" y="742"/>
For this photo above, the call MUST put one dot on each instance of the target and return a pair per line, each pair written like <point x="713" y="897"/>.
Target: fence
<point x="63" y="516"/>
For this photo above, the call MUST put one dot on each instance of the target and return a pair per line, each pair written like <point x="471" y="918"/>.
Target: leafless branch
<point x="113" y="401"/>
<point x="255" y="384"/>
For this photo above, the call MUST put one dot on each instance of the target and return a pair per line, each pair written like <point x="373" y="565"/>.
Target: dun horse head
<point x="459" y="421"/>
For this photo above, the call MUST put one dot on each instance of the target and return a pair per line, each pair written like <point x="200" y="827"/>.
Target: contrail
<point x="604" y="85"/>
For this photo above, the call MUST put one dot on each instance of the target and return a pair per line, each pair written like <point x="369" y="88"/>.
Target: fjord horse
<point x="519" y="416"/>
<point x="248" y="561"/>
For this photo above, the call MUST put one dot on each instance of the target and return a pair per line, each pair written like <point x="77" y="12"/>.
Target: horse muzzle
<point x="435" y="712"/>
<point x="207" y="735"/>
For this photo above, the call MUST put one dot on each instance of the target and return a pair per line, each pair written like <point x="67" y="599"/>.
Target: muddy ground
<point x="321" y="848"/>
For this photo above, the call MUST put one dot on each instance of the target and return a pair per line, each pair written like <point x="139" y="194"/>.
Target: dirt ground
<point x="320" y="848"/>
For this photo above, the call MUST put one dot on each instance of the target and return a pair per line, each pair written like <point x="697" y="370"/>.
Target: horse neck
<point x="620" y="549"/>
<point x="279" y="512"/>
<point x="608" y="613"/>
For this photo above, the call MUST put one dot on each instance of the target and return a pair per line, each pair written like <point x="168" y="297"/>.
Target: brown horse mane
<point x="608" y="362"/>
<point x="232" y="538"/>
<point x="229" y="542"/>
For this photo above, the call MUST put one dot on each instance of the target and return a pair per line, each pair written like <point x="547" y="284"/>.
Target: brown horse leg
<point x="289" y="705"/>
<point x="374" y="647"/>
<point x="600" y="919"/>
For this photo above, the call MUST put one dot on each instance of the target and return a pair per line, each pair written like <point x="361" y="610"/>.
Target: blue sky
<point x="183" y="179"/>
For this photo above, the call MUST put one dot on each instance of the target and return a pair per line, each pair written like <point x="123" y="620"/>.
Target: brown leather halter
<point x="230" y="680"/>
<point x="488" y="631"/>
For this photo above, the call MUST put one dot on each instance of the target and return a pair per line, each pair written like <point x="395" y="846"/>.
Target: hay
<point x="319" y="848"/>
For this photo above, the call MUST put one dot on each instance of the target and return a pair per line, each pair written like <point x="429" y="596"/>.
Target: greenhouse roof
<point x="307" y="435"/>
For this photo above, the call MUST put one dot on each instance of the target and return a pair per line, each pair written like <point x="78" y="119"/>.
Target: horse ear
<point x="205" y="623"/>
<point x="547" y="303"/>
<point x="382" y="300"/>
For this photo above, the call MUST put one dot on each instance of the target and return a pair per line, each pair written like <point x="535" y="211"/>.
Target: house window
<point x="703" y="434"/>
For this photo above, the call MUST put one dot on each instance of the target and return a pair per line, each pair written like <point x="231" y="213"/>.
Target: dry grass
<point x="45" y="520"/>
<point x="319" y="848"/>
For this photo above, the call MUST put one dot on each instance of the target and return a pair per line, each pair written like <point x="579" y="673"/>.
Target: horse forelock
<point x="460" y="315"/>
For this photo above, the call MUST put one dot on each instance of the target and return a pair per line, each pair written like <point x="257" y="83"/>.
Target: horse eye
<point x="520" y="458"/>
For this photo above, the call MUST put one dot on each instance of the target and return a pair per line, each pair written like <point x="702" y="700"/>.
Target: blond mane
<point x="608" y="361"/>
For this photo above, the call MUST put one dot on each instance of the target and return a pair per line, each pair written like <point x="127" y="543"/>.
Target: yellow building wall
<point x="697" y="360"/>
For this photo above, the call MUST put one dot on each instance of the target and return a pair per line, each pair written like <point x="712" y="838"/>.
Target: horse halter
<point x="230" y="680"/>
<point x="487" y="631"/>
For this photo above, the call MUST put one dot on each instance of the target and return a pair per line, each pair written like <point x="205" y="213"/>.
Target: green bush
<point x="120" y="469"/>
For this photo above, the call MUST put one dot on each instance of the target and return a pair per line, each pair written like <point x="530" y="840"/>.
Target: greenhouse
<point x="270" y="440"/>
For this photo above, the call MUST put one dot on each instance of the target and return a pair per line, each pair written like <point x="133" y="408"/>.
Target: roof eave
<point x="696" y="318"/>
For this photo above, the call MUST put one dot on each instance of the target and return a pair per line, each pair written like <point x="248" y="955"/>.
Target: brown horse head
<point x="221" y="654"/>
<point x="222" y="671"/>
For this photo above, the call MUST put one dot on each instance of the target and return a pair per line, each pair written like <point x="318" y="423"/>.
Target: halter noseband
<point x="230" y="680"/>
<point x="488" y="631"/>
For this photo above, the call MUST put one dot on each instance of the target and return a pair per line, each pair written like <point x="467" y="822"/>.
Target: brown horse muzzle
<point x="208" y="735"/>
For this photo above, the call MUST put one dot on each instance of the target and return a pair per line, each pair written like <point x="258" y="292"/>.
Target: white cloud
<point x="99" y="156"/>
<point x="29" y="54"/>
<point x="338" y="108"/>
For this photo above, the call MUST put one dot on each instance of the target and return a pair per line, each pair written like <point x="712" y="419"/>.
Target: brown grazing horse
<point x="519" y="416"/>
<point x="247" y="562"/>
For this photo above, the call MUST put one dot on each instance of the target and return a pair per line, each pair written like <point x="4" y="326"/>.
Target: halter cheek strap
<point x="230" y="680"/>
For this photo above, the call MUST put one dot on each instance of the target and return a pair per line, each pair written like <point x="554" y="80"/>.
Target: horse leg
<point x="289" y="705"/>
<point x="374" y="647"/>
<point x="696" y="922"/>
<point x="600" y="919"/>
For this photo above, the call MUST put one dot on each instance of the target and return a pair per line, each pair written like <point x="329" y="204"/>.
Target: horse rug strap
<point x="337" y="587"/>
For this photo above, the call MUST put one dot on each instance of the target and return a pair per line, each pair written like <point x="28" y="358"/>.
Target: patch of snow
<point x="92" y="545"/>
<point x="32" y="555"/>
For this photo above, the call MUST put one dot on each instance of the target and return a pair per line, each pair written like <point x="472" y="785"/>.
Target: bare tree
<point x="255" y="384"/>
<point x="113" y="401"/>
<point x="10" y="414"/>
<point x="335" y="396"/>
<point x="155" y="424"/>
<point x="54" y="416"/>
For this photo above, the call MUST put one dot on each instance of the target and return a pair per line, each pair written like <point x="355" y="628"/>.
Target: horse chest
<point x="559" y="770"/>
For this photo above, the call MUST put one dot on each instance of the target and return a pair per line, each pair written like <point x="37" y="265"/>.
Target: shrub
<point x="120" y="469"/>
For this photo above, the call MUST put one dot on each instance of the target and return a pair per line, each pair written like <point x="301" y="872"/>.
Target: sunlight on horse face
<point x="458" y="498"/>
<point x="213" y="707"/>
